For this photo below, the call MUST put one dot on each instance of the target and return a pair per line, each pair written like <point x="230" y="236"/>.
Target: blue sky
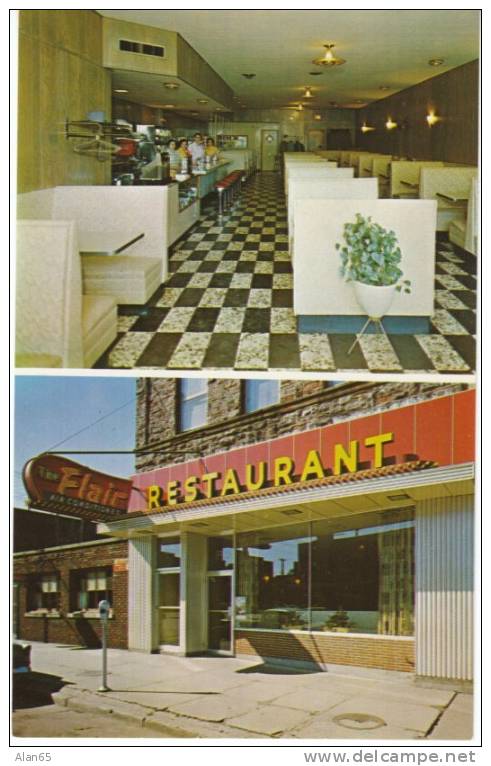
<point x="48" y="409"/>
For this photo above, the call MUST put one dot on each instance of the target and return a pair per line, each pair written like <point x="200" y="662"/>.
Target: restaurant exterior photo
<point x="303" y="522"/>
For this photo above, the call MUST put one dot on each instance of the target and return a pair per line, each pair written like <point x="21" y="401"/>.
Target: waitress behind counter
<point x="211" y="150"/>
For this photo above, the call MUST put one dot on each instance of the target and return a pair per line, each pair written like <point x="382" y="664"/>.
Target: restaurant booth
<point x="350" y="543"/>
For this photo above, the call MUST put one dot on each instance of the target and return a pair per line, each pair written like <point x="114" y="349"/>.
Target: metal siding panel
<point x="444" y="598"/>
<point x="140" y="602"/>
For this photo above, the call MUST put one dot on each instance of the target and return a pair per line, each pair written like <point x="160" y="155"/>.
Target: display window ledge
<point x="37" y="613"/>
<point x="326" y="633"/>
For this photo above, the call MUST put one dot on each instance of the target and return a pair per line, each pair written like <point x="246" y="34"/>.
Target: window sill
<point x="87" y="614"/>
<point x="40" y="613"/>
<point x="337" y="634"/>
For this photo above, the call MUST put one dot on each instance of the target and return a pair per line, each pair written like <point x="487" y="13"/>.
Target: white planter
<point x="374" y="300"/>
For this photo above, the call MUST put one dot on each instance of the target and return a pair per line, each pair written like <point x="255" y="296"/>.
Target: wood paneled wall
<point x="454" y="97"/>
<point x="60" y="77"/>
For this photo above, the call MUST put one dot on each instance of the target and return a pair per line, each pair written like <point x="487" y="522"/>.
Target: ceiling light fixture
<point x="120" y="90"/>
<point x="317" y="116"/>
<point x="168" y="106"/>
<point x="308" y="93"/>
<point x="202" y="101"/>
<point x="390" y="124"/>
<point x="329" y="59"/>
<point x="300" y="107"/>
<point x="316" y="74"/>
<point x="366" y="128"/>
<point x="248" y="75"/>
<point x="171" y="85"/>
<point x="432" y="118"/>
<point x="436" y="62"/>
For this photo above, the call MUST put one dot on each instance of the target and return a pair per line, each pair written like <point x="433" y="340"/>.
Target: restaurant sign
<point x="280" y="472"/>
<point x="59" y="485"/>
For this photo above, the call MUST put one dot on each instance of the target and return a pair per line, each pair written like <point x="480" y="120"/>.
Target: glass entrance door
<point x="220" y="613"/>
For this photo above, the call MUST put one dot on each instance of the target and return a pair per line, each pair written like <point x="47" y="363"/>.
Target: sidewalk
<point x="221" y="697"/>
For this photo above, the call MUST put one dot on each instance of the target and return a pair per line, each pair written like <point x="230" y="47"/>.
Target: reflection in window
<point x="353" y="574"/>
<point x="220" y="553"/>
<point x="261" y="393"/>
<point x="272" y="578"/>
<point x="169" y="552"/>
<point x="193" y="410"/>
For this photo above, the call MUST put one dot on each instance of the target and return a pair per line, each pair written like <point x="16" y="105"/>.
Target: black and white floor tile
<point x="228" y="304"/>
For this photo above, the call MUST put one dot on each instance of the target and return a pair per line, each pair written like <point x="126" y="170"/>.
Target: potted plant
<point x="339" y="622"/>
<point x="370" y="259"/>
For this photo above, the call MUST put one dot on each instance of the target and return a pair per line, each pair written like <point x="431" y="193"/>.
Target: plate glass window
<point x="193" y="403"/>
<point x="261" y="393"/>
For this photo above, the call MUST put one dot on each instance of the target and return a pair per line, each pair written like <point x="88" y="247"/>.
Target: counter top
<point x="205" y="172"/>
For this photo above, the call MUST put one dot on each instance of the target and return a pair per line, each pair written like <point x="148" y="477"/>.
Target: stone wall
<point x="303" y="405"/>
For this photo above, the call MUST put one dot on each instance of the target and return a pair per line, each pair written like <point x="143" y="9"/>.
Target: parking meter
<point x="104" y="607"/>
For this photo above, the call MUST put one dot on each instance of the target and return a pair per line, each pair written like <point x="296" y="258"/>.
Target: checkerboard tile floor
<point x="228" y="304"/>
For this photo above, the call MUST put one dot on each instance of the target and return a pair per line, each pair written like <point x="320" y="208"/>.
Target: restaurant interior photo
<point x="248" y="190"/>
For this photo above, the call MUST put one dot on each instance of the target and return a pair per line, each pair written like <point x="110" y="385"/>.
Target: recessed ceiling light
<point x="436" y="62"/>
<point x="202" y="101"/>
<point x="171" y="85"/>
<point x="168" y="106"/>
<point x="120" y="90"/>
<point x="248" y="75"/>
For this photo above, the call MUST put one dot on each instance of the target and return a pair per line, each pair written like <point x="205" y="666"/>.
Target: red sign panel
<point x="439" y="430"/>
<point x="59" y="485"/>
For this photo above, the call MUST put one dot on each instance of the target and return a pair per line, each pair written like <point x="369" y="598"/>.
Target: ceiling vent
<point x="143" y="48"/>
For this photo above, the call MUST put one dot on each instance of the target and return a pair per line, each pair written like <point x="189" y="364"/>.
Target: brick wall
<point x="69" y="630"/>
<point x="379" y="652"/>
<point x="303" y="405"/>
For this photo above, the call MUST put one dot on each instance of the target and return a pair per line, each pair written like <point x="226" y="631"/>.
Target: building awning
<point x="364" y="490"/>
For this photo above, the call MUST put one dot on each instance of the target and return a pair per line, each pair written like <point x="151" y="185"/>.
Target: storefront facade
<point x="335" y="527"/>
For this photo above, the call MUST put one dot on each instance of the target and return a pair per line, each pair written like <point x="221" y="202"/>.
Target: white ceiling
<point x="381" y="47"/>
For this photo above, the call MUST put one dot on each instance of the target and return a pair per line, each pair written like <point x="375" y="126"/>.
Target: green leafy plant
<point x="339" y="619"/>
<point x="371" y="255"/>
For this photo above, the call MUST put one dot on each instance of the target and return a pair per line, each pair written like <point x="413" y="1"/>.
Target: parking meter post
<point x="104" y="607"/>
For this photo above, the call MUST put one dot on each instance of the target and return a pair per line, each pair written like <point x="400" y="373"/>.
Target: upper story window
<point x="193" y="403"/>
<point x="260" y="394"/>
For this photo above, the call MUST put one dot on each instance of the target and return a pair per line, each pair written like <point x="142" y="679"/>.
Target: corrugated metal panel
<point x="140" y="594"/>
<point x="444" y="587"/>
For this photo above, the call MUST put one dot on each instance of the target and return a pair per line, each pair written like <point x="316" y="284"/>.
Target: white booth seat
<point x="464" y="232"/>
<point x="404" y="177"/>
<point x="330" y="154"/>
<point x="101" y="208"/>
<point x="54" y="321"/>
<point x="451" y="187"/>
<point x="366" y="162"/>
<point x="318" y="287"/>
<point x="315" y="172"/>
<point x="335" y="187"/>
<point x="354" y="159"/>
<point x="127" y="278"/>
<point x="381" y="171"/>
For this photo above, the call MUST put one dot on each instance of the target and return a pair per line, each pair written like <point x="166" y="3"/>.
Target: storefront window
<point x="168" y="607"/>
<point x="260" y="394"/>
<point x="362" y="574"/>
<point x="220" y="553"/>
<point x="272" y="579"/>
<point x="169" y="552"/>
<point x="193" y="403"/>
<point x="354" y="574"/>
